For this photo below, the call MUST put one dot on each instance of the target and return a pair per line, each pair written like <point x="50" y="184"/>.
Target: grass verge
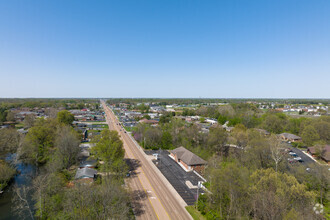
<point x="195" y="214"/>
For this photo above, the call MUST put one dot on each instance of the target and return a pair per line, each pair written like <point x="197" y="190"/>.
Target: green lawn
<point x="195" y="214"/>
<point x="129" y="128"/>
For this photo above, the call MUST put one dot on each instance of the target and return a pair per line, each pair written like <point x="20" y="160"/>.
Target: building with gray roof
<point x="85" y="173"/>
<point x="188" y="160"/>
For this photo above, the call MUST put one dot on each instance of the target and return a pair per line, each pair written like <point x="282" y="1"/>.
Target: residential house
<point x="290" y="137"/>
<point x="86" y="174"/>
<point x="325" y="154"/>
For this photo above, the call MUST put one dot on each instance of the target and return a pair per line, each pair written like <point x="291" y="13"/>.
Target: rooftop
<point x="188" y="157"/>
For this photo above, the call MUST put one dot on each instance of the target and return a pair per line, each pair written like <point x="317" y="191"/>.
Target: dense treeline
<point x="173" y="132"/>
<point x="245" y="184"/>
<point x="52" y="146"/>
<point x="312" y="130"/>
<point x="255" y="181"/>
<point x="252" y="180"/>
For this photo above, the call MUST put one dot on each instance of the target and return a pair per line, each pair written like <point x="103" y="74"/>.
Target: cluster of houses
<point x="130" y="118"/>
<point x="315" y="110"/>
<point x="85" y="122"/>
<point x="87" y="115"/>
<point x="88" y="130"/>
<point x="86" y="172"/>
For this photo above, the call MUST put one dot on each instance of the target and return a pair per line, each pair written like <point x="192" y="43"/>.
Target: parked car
<point x="293" y="154"/>
<point x="291" y="160"/>
<point x="298" y="159"/>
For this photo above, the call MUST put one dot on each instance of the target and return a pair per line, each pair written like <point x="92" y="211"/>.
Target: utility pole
<point x="198" y="186"/>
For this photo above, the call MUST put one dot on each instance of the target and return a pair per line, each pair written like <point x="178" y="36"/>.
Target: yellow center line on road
<point x="157" y="195"/>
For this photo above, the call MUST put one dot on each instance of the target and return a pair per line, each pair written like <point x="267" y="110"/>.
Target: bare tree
<point x="51" y="112"/>
<point x="276" y="149"/>
<point x="29" y="121"/>
<point x="10" y="140"/>
<point x="21" y="204"/>
<point x="67" y="144"/>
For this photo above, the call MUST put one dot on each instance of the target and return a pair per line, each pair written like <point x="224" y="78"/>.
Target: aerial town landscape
<point x="164" y="158"/>
<point x="165" y="110"/>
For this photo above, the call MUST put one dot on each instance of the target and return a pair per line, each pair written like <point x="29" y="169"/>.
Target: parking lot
<point x="177" y="176"/>
<point x="305" y="160"/>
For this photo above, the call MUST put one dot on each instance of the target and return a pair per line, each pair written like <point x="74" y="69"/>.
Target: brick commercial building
<point x="188" y="160"/>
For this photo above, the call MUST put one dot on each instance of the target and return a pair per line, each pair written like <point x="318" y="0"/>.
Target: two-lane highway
<point x="162" y="199"/>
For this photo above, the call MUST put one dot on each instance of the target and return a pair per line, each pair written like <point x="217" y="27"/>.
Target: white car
<point x="297" y="158"/>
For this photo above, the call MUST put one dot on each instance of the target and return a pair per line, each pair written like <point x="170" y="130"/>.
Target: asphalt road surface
<point x="153" y="196"/>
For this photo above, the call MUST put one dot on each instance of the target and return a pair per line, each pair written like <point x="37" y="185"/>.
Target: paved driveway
<point x="177" y="176"/>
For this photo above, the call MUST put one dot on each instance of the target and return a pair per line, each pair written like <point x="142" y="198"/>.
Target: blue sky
<point x="165" y="48"/>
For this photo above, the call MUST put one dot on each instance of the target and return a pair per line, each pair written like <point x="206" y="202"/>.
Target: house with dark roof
<point x="290" y="137"/>
<point x="325" y="154"/>
<point x="188" y="160"/>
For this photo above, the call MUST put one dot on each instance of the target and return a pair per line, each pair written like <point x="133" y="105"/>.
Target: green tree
<point x="229" y="186"/>
<point x="323" y="130"/>
<point x="274" y="123"/>
<point x="6" y="173"/>
<point x="10" y="116"/>
<point x="310" y="135"/>
<point x="152" y="138"/>
<point x="39" y="141"/>
<point x="65" y="117"/>
<point x="67" y="148"/>
<point x="109" y="149"/>
<point x="217" y="139"/>
<point x="222" y="119"/>
<point x="167" y="142"/>
<point x="273" y="195"/>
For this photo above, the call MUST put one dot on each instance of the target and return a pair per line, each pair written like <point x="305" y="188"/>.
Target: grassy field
<point x="195" y="214"/>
